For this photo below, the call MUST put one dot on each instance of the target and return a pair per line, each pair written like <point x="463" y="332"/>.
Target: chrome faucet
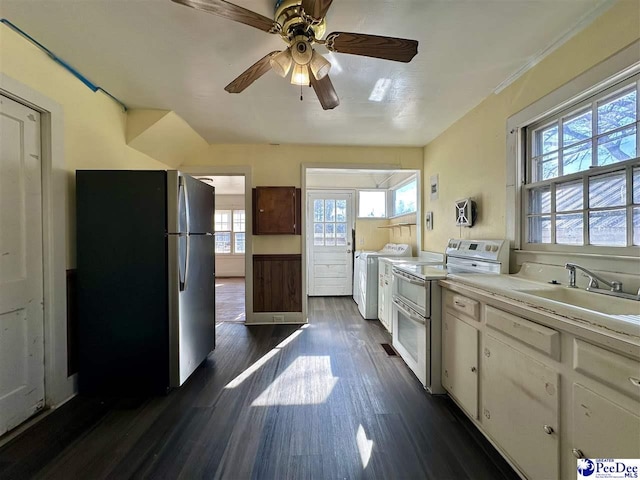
<point x="593" y="278"/>
<point x="615" y="287"/>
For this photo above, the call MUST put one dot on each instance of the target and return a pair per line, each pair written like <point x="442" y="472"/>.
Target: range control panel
<point x="491" y="250"/>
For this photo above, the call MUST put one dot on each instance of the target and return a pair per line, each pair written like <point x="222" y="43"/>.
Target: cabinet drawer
<point x="465" y="305"/>
<point x="619" y="372"/>
<point x="543" y="339"/>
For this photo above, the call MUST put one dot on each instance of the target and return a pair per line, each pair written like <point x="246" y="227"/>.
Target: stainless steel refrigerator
<point x="145" y="273"/>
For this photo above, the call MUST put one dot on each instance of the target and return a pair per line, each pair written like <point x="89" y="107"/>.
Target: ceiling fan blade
<point x="251" y="74"/>
<point x="325" y="91"/>
<point x="233" y="12"/>
<point x="388" y="48"/>
<point x="316" y="9"/>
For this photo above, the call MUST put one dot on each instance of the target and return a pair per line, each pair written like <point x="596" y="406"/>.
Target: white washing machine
<point x="365" y="276"/>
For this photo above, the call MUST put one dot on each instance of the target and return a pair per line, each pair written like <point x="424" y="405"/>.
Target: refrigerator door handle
<point x="183" y="203"/>
<point x="184" y="222"/>
<point x="183" y="281"/>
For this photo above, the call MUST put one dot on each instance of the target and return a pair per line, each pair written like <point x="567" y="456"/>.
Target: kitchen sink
<point x="597" y="302"/>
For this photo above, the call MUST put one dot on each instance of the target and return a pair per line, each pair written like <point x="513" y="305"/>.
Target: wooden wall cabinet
<point x="276" y="211"/>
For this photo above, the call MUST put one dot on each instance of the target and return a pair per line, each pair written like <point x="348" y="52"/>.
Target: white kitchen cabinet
<point x="460" y="362"/>
<point x="549" y="390"/>
<point x="603" y="429"/>
<point x="520" y="405"/>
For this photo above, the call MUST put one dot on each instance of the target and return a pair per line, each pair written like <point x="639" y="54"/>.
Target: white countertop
<point x="523" y="290"/>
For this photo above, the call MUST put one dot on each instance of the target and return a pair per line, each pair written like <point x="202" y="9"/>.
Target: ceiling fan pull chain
<point x="300" y="92"/>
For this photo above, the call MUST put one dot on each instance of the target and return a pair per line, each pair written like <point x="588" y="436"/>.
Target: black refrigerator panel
<point x="123" y="332"/>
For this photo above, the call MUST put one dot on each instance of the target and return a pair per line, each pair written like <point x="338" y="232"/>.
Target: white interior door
<point x="330" y="244"/>
<point x="21" y="275"/>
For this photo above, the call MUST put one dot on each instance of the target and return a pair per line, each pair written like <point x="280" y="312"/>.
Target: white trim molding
<point x="58" y="387"/>
<point x="614" y="69"/>
<point x="248" y="208"/>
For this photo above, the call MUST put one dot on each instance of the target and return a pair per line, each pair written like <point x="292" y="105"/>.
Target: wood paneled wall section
<point x="277" y="283"/>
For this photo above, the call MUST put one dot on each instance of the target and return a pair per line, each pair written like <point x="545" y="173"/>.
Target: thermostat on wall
<point x="465" y="212"/>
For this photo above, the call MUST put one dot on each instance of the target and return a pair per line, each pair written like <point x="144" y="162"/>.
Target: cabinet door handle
<point x="577" y="453"/>
<point x="635" y="381"/>
<point x="548" y="429"/>
<point x="474" y="369"/>
<point x="460" y="304"/>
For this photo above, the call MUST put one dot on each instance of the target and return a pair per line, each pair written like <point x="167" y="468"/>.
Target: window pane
<point x="608" y="228"/>
<point x="569" y="196"/>
<point x="636" y="185"/>
<point x="577" y="129"/>
<point x="569" y="229"/>
<point x="546" y="139"/>
<point x="404" y="198"/>
<point x="617" y="112"/>
<point x="341" y="234"/>
<point x="372" y="204"/>
<point x="576" y="158"/>
<point x="545" y="167"/>
<point x="341" y="210"/>
<point x="318" y="233"/>
<point x="329" y="234"/>
<point x="617" y="147"/>
<point x="238" y="246"/>
<point x="223" y="242"/>
<point x="222" y="219"/>
<point x="238" y="221"/>
<point x="330" y="210"/>
<point x="636" y="226"/>
<point x="540" y="229"/>
<point x="318" y="210"/>
<point x="540" y="200"/>
<point x="608" y="190"/>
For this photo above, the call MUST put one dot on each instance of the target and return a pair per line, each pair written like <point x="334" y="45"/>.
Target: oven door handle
<point x="407" y="278"/>
<point x="410" y="315"/>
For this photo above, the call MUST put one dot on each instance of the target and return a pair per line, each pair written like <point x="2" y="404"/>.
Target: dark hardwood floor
<point x="273" y="402"/>
<point x="230" y="299"/>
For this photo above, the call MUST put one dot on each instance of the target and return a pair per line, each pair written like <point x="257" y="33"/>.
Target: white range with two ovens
<point x="416" y="302"/>
<point x="385" y="281"/>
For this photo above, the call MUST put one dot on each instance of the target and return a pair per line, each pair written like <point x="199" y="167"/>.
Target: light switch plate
<point x="428" y="221"/>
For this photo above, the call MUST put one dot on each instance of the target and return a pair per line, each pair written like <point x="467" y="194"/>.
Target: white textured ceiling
<point x="161" y="55"/>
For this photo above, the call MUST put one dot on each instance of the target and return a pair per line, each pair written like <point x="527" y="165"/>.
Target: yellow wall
<point x="476" y="144"/>
<point x="280" y="165"/>
<point x="405" y="234"/>
<point x="94" y="125"/>
<point x="369" y="235"/>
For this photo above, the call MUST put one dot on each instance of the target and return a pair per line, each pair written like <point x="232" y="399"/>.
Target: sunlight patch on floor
<point x="249" y="371"/>
<point x="269" y="355"/>
<point x="307" y="381"/>
<point x="365" y="446"/>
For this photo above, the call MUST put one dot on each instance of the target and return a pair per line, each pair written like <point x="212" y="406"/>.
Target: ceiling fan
<point x="301" y="24"/>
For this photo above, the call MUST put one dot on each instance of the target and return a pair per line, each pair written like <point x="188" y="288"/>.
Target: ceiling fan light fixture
<point x="281" y="62"/>
<point x="320" y="66"/>
<point x="300" y="75"/>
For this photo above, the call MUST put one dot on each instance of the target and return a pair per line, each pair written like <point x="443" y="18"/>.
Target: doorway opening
<point x="230" y="228"/>
<point x="354" y="210"/>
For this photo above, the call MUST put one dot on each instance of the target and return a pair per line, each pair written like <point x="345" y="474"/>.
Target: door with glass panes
<point x="329" y="226"/>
